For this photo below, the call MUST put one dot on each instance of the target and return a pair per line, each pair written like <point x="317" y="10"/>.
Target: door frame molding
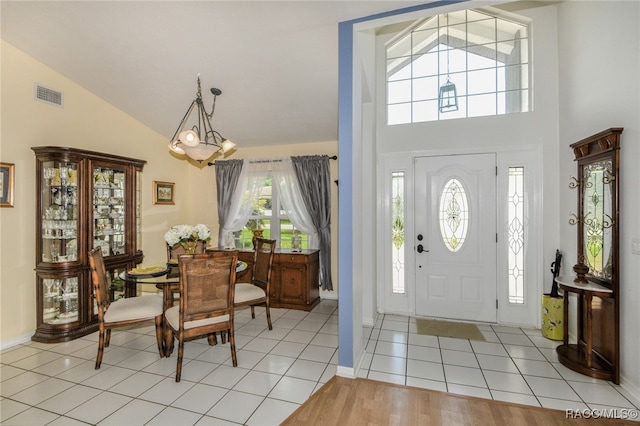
<point x="527" y="314"/>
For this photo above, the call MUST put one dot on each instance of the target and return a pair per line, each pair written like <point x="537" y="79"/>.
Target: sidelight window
<point x="397" y="231"/>
<point x="515" y="232"/>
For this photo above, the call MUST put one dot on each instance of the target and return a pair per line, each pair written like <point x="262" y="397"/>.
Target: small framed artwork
<point x="164" y="192"/>
<point x="6" y="184"/>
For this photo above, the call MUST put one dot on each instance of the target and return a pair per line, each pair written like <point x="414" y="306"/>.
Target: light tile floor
<point x="514" y="364"/>
<point x="56" y="384"/>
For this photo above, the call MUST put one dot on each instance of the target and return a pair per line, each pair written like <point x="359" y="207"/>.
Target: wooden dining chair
<point x="206" y="301"/>
<point x="122" y="312"/>
<point x="256" y="293"/>
<point x="174" y="253"/>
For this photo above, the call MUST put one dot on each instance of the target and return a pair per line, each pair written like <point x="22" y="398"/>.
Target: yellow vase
<point x="552" y="317"/>
<point x="190" y="246"/>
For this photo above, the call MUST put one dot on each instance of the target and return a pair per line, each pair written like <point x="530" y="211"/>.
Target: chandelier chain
<point x="199" y="96"/>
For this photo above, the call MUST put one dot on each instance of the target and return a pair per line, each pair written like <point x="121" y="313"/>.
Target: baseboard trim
<point x="328" y="295"/>
<point x="346" y="372"/>
<point x="631" y="390"/>
<point x="15" y="342"/>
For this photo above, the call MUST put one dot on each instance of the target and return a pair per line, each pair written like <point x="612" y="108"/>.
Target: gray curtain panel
<point x="227" y="174"/>
<point x="314" y="178"/>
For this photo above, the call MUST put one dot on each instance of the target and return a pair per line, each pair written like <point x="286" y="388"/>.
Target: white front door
<point x="455" y="237"/>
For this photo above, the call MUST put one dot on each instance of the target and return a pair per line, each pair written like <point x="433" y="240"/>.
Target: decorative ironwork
<point x="574" y="219"/>
<point x="573" y="182"/>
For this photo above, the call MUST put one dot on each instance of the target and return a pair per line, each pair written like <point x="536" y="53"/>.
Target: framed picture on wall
<point x="164" y="192"/>
<point x="6" y="184"/>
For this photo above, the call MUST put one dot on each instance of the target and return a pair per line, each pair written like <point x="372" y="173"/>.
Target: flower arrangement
<point x="187" y="235"/>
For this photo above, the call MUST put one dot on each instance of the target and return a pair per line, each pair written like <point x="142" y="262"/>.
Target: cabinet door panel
<point x="292" y="280"/>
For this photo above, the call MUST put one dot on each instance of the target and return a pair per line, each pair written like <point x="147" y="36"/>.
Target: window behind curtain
<point x="269" y="216"/>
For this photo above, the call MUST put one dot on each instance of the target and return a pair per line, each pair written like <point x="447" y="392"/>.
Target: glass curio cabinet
<point x="85" y="199"/>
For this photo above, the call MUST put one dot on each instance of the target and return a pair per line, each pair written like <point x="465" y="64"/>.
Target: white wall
<point x="85" y="121"/>
<point x="537" y="128"/>
<point x="366" y="250"/>
<point x="599" y="65"/>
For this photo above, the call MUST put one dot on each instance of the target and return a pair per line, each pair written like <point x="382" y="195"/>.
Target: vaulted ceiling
<point x="276" y="62"/>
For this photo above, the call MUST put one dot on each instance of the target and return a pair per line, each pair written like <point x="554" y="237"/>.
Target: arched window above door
<point x="485" y="56"/>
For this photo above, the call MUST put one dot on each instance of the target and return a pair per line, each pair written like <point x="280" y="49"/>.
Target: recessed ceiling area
<point x="275" y="62"/>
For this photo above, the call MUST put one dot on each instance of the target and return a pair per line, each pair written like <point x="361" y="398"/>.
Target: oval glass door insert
<point x="454" y="215"/>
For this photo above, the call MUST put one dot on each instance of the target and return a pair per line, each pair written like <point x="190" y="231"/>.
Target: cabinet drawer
<point x="283" y="258"/>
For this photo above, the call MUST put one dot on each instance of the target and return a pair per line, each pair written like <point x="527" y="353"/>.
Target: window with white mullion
<point x="473" y="53"/>
<point x="271" y="218"/>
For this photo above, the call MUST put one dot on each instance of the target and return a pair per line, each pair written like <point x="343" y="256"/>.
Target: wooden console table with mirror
<point x="596" y="284"/>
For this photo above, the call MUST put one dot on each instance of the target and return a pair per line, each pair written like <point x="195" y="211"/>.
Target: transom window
<point x="486" y="58"/>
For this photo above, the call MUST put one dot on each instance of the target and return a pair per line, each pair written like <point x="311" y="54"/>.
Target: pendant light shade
<point x="448" y="96"/>
<point x="195" y="137"/>
<point x="189" y="138"/>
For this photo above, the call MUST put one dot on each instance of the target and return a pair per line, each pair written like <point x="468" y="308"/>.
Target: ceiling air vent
<point x="48" y="96"/>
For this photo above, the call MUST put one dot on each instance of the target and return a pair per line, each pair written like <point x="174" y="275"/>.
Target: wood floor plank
<point x="362" y="402"/>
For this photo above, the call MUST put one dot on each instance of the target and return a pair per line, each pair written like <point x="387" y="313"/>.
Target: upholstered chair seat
<point x="173" y="317"/>
<point x="246" y="291"/>
<point x="133" y="308"/>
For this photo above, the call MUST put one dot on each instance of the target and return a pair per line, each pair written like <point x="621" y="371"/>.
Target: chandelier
<point x="195" y="137"/>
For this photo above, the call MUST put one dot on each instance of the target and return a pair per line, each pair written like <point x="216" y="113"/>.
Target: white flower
<point x="203" y="232"/>
<point x="183" y="233"/>
<point x="171" y="237"/>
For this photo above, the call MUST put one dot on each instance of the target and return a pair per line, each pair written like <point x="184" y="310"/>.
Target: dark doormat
<point x="458" y="330"/>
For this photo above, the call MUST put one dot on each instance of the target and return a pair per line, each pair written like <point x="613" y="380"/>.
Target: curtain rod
<point x="213" y="163"/>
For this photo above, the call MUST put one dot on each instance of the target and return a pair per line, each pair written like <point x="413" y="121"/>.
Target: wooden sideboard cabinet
<point x="294" y="278"/>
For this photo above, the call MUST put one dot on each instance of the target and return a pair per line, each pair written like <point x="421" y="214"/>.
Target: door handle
<point x="421" y="249"/>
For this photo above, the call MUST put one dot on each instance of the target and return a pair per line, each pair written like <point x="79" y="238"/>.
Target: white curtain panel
<point x="284" y="176"/>
<point x="250" y="184"/>
<point x="247" y="192"/>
